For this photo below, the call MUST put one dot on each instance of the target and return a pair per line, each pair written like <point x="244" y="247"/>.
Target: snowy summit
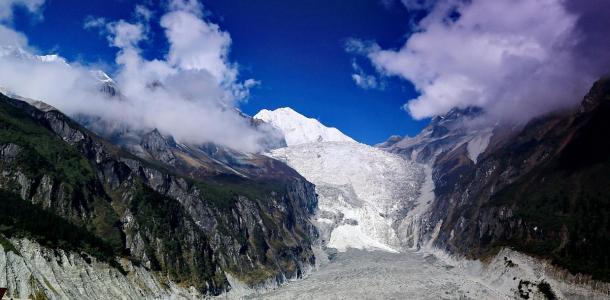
<point x="298" y="129"/>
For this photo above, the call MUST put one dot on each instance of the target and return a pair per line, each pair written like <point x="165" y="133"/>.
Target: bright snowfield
<point x="362" y="191"/>
<point x="371" y="206"/>
<point x="299" y="129"/>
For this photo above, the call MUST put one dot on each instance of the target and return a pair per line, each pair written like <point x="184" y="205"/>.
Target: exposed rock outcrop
<point x="192" y="230"/>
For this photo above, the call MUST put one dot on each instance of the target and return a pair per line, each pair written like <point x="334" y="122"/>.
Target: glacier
<point x="362" y="191"/>
<point x="373" y="206"/>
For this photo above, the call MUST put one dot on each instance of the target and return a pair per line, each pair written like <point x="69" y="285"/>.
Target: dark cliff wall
<point x="192" y="230"/>
<point x="544" y="190"/>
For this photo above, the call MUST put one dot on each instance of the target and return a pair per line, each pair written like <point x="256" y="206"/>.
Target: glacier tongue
<point x="363" y="192"/>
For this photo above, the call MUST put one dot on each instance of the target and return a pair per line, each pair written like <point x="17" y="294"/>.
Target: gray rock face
<point x="9" y="151"/>
<point x="159" y="147"/>
<point x="444" y="133"/>
<point x="537" y="188"/>
<point x="191" y="231"/>
<point x="38" y="272"/>
<point x="540" y="191"/>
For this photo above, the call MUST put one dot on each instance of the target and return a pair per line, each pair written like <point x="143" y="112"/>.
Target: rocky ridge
<point x="191" y="231"/>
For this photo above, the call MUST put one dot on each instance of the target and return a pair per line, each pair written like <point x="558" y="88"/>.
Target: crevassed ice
<point x="362" y="191"/>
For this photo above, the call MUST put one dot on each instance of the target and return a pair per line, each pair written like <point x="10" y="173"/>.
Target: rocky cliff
<point x="116" y="207"/>
<point x="541" y="189"/>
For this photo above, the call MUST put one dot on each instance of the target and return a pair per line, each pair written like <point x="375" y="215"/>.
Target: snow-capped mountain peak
<point x="101" y="76"/>
<point x="298" y="129"/>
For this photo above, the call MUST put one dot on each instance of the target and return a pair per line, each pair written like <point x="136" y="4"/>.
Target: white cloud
<point x="191" y="6"/>
<point x="191" y="92"/>
<point x="9" y="36"/>
<point x="364" y="80"/>
<point x="94" y="23"/>
<point x="515" y="58"/>
<point x="124" y="34"/>
<point x="144" y="13"/>
<point x="198" y="45"/>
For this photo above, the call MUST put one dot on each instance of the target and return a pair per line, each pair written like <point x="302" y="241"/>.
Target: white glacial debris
<point x="430" y="274"/>
<point x="41" y="273"/>
<point x="298" y="129"/>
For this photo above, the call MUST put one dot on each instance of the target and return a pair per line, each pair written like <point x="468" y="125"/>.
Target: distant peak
<point x="299" y="129"/>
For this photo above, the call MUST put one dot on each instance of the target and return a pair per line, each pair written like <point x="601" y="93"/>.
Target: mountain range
<point x="95" y="211"/>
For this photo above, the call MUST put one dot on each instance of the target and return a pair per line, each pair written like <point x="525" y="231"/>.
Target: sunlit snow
<point x="298" y="129"/>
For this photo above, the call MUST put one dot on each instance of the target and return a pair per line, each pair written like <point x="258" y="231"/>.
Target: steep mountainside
<point x="545" y="191"/>
<point x="298" y="129"/>
<point x="69" y="190"/>
<point x="459" y="127"/>
<point x="542" y="189"/>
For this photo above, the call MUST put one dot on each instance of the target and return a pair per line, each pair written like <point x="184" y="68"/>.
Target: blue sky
<point x="296" y="49"/>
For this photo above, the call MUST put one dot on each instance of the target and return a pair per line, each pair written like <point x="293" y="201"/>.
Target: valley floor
<point x="358" y="274"/>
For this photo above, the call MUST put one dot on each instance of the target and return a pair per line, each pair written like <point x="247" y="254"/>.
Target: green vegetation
<point x="167" y="242"/>
<point x="222" y="191"/>
<point x="82" y="214"/>
<point x="6" y="244"/>
<point x="43" y="152"/>
<point x="22" y="219"/>
<point x="568" y="200"/>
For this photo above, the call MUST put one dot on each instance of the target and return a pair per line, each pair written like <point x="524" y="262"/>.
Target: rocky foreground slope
<point x="81" y="215"/>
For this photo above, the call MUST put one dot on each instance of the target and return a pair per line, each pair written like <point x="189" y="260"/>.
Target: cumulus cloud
<point x="517" y="59"/>
<point x="197" y="45"/>
<point x="190" y="92"/>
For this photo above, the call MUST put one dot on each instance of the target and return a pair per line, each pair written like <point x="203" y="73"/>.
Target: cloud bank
<point x="191" y="92"/>
<point x="517" y="59"/>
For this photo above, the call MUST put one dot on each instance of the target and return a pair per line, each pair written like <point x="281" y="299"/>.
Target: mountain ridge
<point x="204" y="228"/>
